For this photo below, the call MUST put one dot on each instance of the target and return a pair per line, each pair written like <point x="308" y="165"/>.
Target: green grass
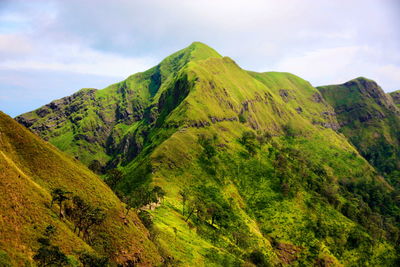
<point x="370" y="121"/>
<point x="29" y="169"/>
<point x="297" y="184"/>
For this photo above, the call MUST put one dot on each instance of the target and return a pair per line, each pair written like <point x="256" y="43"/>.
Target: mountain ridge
<point x="254" y="165"/>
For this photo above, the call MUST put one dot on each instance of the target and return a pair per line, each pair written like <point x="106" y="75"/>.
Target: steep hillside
<point x="29" y="170"/>
<point x="251" y="163"/>
<point x="370" y="119"/>
<point x="94" y="125"/>
<point x="396" y="97"/>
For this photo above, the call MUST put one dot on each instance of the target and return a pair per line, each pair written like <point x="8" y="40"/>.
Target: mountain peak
<point x="201" y="51"/>
<point x="195" y="51"/>
<point x="364" y="88"/>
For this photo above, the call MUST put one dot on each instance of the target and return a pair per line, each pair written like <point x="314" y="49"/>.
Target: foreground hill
<point x="29" y="170"/>
<point x="254" y="169"/>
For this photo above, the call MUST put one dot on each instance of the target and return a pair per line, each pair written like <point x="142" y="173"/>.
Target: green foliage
<point x="248" y="140"/>
<point x="113" y="177"/>
<point x="146" y="218"/>
<point x="258" y="258"/>
<point x="141" y="197"/>
<point x="90" y="260"/>
<point x="85" y="216"/>
<point x="59" y="195"/>
<point x="30" y="169"/>
<point x="209" y="150"/>
<point x="47" y="254"/>
<point x="251" y="163"/>
<point x="5" y="259"/>
<point x="370" y="121"/>
<point x="96" y="166"/>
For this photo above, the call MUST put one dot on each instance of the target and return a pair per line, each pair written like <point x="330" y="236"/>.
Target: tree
<point x="142" y="197"/>
<point x="85" y="216"/>
<point x="258" y="258"/>
<point x="59" y="195"/>
<point x="249" y="141"/>
<point x="184" y="195"/>
<point x="91" y="260"/>
<point x="208" y="146"/>
<point x="96" y="167"/>
<point x="175" y="232"/>
<point x="94" y="216"/>
<point x="47" y="254"/>
<point x="158" y="192"/>
<point x="77" y="212"/>
<point x="114" y="176"/>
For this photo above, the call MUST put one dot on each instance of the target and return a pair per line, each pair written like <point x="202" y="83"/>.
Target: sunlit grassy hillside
<point x="254" y="166"/>
<point x="29" y="170"/>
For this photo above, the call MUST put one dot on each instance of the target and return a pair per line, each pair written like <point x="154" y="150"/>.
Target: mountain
<point x="93" y="125"/>
<point x="253" y="165"/>
<point x="370" y="119"/>
<point x="396" y="97"/>
<point x="30" y="169"/>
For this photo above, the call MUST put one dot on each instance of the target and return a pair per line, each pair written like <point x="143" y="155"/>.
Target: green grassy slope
<point x="92" y="124"/>
<point x="396" y="97"/>
<point x="29" y="169"/>
<point x="305" y="209"/>
<point x="370" y="119"/>
<point x="266" y="178"/>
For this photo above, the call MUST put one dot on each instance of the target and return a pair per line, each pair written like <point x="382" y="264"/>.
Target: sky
<point x="51" y="48"/>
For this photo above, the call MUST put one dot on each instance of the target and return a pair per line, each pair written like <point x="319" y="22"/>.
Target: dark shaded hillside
<point x="254" y="170"/>
<point x="370" y="119"/>
<point x="29" y="170"/>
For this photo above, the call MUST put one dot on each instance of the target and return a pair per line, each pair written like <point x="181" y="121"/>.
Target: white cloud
<point x="389" y="75"/>
<point x="340" y="64"/>
<point x="323" y="64"/>
<point x="71" y="58"/>
<point x="323" y="41"/>
<point x="13" y="44"/>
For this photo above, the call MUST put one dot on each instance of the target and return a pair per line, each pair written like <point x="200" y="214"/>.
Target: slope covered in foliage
<point x="93" y="125"/>
<point x="370" y="119"/>
<point x="251" y="163"/>
<point x="30" y="169"/>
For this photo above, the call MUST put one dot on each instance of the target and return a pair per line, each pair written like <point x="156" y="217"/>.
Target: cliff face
<point x="370" y="119"/>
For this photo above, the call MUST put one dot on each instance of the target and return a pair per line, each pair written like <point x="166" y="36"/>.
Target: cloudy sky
<point x="50" y="49"/>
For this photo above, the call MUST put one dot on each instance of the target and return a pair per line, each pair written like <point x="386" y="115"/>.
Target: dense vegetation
<point x="227" y="167"/>
<point x="370" y="119"/>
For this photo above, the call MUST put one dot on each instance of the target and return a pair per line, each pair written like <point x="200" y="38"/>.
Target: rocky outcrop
<point x="360" y="100"/>
<point x="369" y="118"/>
<point x="286" y="95"/>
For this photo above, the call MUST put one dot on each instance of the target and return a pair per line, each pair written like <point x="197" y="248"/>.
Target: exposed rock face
<point x="369" y="118"/>
<point x="370" y="89"/>
<point x="88" y="117"/>
<point x="365" y="101"/>
<point x="317" y="98"/>
<point x="285" y="94"/>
